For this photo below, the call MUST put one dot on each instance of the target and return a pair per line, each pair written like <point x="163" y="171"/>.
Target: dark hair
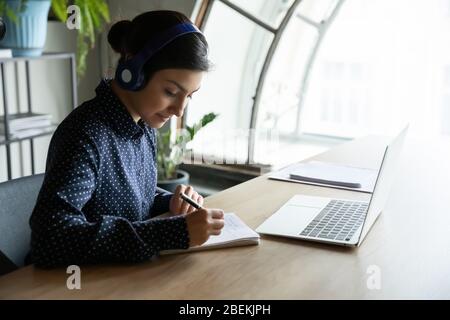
<point x="189" y="51"/>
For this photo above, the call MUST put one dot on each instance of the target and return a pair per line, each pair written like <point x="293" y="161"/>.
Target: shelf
<point x="44" y="56"/>
<point x="51" y="130"/>
<point x="49" y="56"/>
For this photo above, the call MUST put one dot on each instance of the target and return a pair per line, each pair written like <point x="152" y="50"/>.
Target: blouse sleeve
<point x="61" y="234"/>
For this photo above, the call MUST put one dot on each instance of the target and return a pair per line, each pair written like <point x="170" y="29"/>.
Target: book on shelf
<point x="23" y="121"/>
<point x="5" y="53"/>
<point x="20" y="134"/>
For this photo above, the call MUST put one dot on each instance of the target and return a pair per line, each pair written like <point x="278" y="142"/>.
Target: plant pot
<point x="27" y="37"/>
<point x="170" y="185"/>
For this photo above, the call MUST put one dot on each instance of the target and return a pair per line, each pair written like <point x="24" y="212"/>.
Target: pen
<point x="190" y="201"/>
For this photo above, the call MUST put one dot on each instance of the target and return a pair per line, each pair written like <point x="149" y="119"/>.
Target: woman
<point x="99" y="191"/>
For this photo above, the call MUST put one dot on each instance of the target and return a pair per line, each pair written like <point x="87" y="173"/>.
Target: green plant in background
<point x="170" y="152"/>
<point x="94" y="15"/>
<point x="6" y="10"/>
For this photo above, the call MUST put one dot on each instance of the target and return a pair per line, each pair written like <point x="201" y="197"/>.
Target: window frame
<point x="201" y="21"/>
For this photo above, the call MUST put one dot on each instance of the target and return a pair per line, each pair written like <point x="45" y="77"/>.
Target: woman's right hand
<point x="203" y="223"/>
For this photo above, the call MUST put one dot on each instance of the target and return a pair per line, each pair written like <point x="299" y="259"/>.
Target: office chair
<point x="17" y="200"/>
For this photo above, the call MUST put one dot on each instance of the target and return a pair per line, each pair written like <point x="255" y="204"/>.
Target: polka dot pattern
<point x="99" y="191"/>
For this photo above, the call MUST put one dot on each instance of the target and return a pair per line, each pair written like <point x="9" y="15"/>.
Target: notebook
<point x="235" y="233"/>
<point x="329" y="175"/>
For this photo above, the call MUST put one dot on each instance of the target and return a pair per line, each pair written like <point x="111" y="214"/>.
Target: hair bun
<point x="118" y="34"/>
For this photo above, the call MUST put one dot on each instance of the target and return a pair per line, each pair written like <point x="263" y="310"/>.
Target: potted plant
<point x="26" y="23"/>
<point x="7" y="11"/>
<point x="171" y="148"/>
<point x="32" y="15"/>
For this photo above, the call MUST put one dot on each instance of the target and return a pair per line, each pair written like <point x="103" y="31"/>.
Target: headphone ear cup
<point x="129" y="77"/>
<point x="126" y="76"/>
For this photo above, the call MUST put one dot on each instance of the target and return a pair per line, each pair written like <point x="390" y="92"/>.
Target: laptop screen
<point x="384" y="182"/>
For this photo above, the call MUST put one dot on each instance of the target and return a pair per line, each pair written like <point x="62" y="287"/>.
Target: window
<point x="237" y="48"/>
<point x="323" y="68"/>
<point x="379" y="67"/>
<point x="445" y="105"/>
<point x="269" y="11"/>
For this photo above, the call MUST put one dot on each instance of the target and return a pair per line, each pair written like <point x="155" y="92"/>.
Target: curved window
<point x="319" y="72"/>
<point x="383" y="63"/>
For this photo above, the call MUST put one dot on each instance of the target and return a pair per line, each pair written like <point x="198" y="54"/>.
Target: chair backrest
<point x="17" y="201"/>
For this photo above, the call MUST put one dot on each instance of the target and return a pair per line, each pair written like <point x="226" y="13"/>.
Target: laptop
<point x="336" y="221"/>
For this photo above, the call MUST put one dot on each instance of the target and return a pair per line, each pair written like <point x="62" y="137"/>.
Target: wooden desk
<point x="410" y="244"/>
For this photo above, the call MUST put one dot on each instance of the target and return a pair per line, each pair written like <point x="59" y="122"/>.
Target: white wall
<point x="50" y="80"/>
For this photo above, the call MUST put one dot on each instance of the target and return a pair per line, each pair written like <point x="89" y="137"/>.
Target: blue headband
<point x="129" y="73"/>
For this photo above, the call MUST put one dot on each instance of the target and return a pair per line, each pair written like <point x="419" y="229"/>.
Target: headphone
<point x="129" y="74"/>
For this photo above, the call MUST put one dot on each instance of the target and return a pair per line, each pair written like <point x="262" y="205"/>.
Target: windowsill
<point x="208" y="179"/>
<point x="297" y="149"/>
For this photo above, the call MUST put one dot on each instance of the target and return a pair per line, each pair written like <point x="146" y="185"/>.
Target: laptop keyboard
<point x="339" y="220"/>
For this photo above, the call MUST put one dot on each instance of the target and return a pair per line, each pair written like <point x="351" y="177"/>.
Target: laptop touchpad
<point x="292" y="219"/>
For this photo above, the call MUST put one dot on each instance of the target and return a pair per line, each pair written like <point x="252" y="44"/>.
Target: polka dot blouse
<point x="99" y="191"/>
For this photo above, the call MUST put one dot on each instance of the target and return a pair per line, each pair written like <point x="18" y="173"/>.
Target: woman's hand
<point x="178" y="205"/>
<point x="203" y="223"/>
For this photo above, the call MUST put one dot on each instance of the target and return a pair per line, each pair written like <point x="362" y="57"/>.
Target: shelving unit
<point x="8" y="140"/>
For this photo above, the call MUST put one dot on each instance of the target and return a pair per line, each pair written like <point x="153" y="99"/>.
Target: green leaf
<point x="102" y="7"/>
<point x="82" y="51"/>
<point x="59" y="8"/>
<point x="87" y="26"/>
<point x="90" y="7"/>
<point x="11" y="14"/>
<point x="99" y="12"/>
<point x="207" y="118"/>
<point x="94" y="15"/>
<point x="170" y="153"/>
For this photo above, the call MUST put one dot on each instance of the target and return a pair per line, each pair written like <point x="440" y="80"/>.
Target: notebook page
<point x="234" y="233"/>
<point x="233" y="230"/>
